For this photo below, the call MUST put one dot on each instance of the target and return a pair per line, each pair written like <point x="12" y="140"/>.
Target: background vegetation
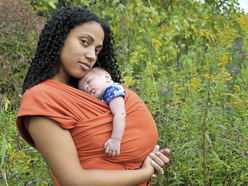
<point x="187" y="60"/>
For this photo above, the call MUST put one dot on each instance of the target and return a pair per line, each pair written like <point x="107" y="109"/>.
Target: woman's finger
<point x="157" y="167"/>
<point x="154" y="176"/>
<point x="165" y="152"/>
<point x="162" y="155"/>
<point x="163" y="158"/>
<point x="156" y="149"/>
<point x="157" y="159"/>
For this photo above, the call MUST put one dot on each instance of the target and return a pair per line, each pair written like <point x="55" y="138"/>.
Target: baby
<point x="98" y="83"/>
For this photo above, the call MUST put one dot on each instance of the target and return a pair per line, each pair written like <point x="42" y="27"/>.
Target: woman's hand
<point x="149" y="164"/>
<point x="159" y="160"/>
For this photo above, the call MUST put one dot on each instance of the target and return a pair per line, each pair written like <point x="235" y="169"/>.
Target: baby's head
<point x="95" y="82"/>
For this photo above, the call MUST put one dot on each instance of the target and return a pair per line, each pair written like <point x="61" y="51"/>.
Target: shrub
<point x="19" y="30"/>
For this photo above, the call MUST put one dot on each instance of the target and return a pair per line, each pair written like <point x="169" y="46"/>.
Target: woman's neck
<point x="62" y="77"/>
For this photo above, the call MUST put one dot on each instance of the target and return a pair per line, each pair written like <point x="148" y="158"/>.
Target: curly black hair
<point x="46" y="61"/>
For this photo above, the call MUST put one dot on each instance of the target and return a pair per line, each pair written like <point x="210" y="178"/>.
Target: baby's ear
<point x="108" y="77"/>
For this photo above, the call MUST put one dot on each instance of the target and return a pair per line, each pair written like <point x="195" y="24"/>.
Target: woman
<point x="60" y="121"/>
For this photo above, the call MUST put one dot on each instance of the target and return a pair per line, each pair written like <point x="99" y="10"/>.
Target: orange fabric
<point x="90" y="124"/>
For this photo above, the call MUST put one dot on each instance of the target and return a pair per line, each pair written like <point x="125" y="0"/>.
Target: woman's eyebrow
<point x="93" y="39"/>
<point x="90" y="37"/>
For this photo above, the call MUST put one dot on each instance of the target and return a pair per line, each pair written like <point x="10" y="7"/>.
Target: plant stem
<point x="4" y="176"/>
<point x="204" y="133"/>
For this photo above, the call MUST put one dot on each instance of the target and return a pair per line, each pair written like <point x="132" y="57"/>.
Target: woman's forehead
<point x="92" y="29"/>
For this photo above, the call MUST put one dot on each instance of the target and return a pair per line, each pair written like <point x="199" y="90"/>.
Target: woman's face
<point x="80" y="51"/>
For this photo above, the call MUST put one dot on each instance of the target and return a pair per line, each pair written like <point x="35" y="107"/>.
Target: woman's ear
<point x="108" y="77"/>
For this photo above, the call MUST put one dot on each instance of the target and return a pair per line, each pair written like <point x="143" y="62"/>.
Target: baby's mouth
<point x="90" y="92"/>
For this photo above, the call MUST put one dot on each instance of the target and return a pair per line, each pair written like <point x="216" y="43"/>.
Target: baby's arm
<point x="117" y="106"/>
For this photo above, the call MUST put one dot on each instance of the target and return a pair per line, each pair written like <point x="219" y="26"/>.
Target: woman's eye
<point x="97" y="51"/>
<point x="85" y="42"/>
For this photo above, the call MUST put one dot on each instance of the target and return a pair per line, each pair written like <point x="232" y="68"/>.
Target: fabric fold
<point x="90" y="124"/>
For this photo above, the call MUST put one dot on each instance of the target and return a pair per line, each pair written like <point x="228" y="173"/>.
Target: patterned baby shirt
<point x="113" y="91"/>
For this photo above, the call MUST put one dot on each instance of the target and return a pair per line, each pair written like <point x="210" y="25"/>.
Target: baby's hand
<point x="112" y="147"/>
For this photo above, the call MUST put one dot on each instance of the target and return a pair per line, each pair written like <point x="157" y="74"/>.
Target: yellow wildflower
<point x="224" y="59"/>
<point x="151" y="69"/>
<point x="196" y="82"/>
<point x="222" y="77"/>
<point x="25" y="168"/>
<point x="208" y="76"/>
<point x="243" y="21"/>
<point x="179" y="89"/>
<point x="175" y="86"/>
<point x="114" y="29"/>
<point x="172" y="71"/>
<point x="228" y="46"/>
<point x="129" y="80"/>
<point x="202" y="33"/>
<point x="185" y="126"/>
<point x="157" y="42"/>
<point x="237" y="89"/>
<point x="196" y="127"/>
<point x="193" y="69"/>
<point x="32" y="160"/>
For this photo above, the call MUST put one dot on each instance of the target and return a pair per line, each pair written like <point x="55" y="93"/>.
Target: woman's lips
<point x="85" y="66"/>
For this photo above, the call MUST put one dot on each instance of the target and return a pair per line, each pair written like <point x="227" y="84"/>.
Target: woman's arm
<point x="58" y="149"/>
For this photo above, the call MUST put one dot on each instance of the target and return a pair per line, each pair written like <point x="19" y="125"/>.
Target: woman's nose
<point x="91" y="54"/>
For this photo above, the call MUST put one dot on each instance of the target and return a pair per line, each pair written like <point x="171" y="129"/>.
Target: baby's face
<point x="93" y="84"/>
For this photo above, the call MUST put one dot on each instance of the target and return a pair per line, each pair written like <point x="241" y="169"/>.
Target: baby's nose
<point x="86" y="88"/>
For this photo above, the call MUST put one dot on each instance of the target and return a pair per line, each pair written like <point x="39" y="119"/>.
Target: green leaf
<point x="217" y="157"/>
<point x="3" y="151"/>
<point x="52" y="3"/>
<point x="207" y="136"/>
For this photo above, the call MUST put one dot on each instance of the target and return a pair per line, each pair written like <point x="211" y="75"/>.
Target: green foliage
<point x="20" y="164"/>
<point x="206" y="119"/>
<point x="185" y="59"/>
<point x="19" y="30"/>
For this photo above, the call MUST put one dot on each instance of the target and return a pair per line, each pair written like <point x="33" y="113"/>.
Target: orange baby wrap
<point x="91" y="122"/>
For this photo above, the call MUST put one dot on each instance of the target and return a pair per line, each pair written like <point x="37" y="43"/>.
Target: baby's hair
<point x="98" y="70"/>
<point x="46" y="61"/>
